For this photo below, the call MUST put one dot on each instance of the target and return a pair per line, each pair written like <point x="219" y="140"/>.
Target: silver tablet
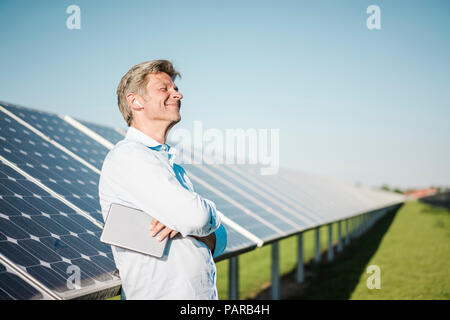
<point x="129" y="228"/>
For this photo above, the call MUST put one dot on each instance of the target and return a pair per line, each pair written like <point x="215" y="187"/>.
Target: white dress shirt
<point x="141" y="173"/>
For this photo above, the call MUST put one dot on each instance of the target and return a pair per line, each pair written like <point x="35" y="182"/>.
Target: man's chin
<point x="176" y="119"/>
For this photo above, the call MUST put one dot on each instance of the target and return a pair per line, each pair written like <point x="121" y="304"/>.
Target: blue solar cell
<point x="93" y="240"/>
<point x="60" y="247"/>
<point x="9" y="229"/>
<point x="33" y="188"/>
<point x="39" y="250"/>
<point x="42" y="205"/>
<point x="29" y="226"/>
<point x="21" y="205"/>
<point x="50" y="225"/>
<point x="7" y="209"/>
<point x="85" y="223"/>
<point x="18" y="189"/>
<point x="80" y="245"/>
<point x="17" y="254"/>
<point x="10" y="172"/>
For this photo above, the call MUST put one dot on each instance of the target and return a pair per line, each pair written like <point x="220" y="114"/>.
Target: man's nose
<point x="177" y="95"/>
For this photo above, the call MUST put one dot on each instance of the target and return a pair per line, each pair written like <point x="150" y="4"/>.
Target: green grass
<point x="413" y="256"/>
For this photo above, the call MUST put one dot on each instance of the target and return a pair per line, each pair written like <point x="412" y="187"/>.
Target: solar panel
<point x="50" y="166"/>
<point x="45" y="237"/>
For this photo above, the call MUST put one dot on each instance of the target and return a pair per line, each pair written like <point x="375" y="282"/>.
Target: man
<point x="140" y="172"/>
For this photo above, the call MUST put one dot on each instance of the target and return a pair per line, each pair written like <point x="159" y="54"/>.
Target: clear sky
<point x="360" y="105"/>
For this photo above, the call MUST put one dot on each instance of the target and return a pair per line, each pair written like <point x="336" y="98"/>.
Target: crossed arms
<point x="142" y="178"/>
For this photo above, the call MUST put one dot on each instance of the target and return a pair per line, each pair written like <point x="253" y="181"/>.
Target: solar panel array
<point x="50" y="216"/>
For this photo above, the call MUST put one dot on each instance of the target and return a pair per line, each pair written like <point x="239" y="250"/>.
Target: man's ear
<point x="133" y="102"/>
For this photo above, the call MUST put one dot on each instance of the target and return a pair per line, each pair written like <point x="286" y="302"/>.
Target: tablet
<point x="129" y="228"/>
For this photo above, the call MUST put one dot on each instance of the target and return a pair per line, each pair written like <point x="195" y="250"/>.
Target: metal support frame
<point x="347" y="236"/>
<point x="275" y="292"/>
<point x="317" y="245"/>
<point x="300" y="266"/>
<point x="233" y="278"/>
<point x="339" y="241"/>
<point x="330" y="242"/>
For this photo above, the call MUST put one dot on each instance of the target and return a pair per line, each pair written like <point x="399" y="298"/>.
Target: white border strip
<point x="241" y="230"/>
<point x="88" y="131"/>
<point x="120" y="131"/>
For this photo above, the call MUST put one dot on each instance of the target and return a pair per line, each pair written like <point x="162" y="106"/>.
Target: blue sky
<point x="360" y="105"/>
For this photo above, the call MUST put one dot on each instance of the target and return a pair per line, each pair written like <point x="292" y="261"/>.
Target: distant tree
<point x="398" y="190"/>
<point x="385" y="187"/>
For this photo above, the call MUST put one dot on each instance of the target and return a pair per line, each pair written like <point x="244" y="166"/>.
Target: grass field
<point x="411" y="248"/>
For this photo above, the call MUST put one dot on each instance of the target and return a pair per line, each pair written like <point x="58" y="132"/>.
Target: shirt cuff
<point x="221" y="241"/>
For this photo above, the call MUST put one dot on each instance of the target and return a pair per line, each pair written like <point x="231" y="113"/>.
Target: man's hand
<point x="157" y="227"/>
<point x="210" y="241"/>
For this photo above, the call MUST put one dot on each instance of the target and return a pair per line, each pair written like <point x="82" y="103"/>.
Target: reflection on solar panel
<point x="110" y="134"/>
<point x="46" y="237"/>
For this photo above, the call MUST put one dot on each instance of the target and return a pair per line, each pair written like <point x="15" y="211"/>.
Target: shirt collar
<point x="137" y="135"/>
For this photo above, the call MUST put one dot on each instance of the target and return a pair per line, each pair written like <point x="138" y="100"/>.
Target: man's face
<point x="162" y="101"/>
